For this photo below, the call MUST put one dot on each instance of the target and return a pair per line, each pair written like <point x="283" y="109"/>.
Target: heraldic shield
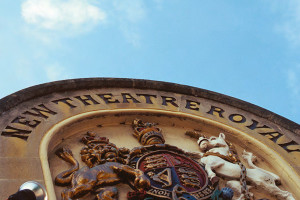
<point x="129" y="139"/>
<point x="173" y="176"/>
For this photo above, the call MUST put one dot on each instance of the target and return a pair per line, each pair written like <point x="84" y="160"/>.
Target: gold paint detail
<point x="147" y="133"/>
<point x="229" y="158"/>
<point x="164" y="177"/>
<point x="155" y="161"/>
<point x="189" y="178"/>
<point x="280" y="164"/>
<point x="99" y="150"/>
<point x="103" y="170"/>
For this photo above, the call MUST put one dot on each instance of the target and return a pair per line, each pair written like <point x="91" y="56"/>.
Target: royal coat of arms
<point x="172" y="172"/>
<point x="173" y="175"/>
<point x="155" y="170"/>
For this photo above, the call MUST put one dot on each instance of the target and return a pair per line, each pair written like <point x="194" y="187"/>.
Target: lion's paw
<point x="141" y="182"/>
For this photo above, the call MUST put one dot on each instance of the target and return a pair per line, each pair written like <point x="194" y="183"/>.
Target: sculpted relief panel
<point x="33" y="115"/>
<point x="127" y="143"/>
<point x="154" y="167"/>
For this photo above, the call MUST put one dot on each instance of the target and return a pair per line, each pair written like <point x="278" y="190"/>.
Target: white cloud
<point x="52" y="20"/>
<point x="289" y="24"/>
<point x="56" y="72"/>
<point x="159" y="4"/>
<point x="61" y="14"/>
<point x="132" y="35"/>
<point x="129" y="14"/>
<point x="130" y="10"/>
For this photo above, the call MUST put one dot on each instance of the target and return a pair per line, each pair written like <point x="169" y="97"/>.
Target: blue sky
<point x="246" y="49"/>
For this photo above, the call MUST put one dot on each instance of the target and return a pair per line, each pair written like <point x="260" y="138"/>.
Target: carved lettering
<point x="66" y="101"/>
<point x="274" y="136"/>
<point x="206" y="191"/>
<point x="108" y="98"/>
<point x="24" y="121"/>
<point x="86" y="100"/>
<point x="147" y="97"/>
<point x="127" y="96"/>
<point x="41" y="111"/>
<point x="160" y="192"/>
<point x="237" y="118"/>
<point x="286" y="145"/>
<point x="199" y="195"/>
<point x="38" y="112"/>
<point x="192" y="105"/>
<point x="154" y="191"/>
<point x="217" y="110"/>
<point x="170" y="100"/>
<point x="254" y="125"/>
<point x="16" y="132"/>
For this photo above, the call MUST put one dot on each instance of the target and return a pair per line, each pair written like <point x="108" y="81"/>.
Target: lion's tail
<point x="65" y="177"/>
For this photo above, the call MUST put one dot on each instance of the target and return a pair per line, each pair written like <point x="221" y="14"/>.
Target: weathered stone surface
<point x="34" y="122"/>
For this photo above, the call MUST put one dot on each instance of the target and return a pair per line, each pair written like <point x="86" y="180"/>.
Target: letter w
<point x="40" y="112"/>
<point x="15" y="132"/>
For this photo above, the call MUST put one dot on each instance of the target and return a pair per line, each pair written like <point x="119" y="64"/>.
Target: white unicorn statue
<point x="220" y="161"/>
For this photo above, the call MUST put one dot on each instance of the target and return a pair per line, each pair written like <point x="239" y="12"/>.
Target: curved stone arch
<point x="14" y="99"/>
<point x="272" y="157"/>
<point x="41" y="137"/>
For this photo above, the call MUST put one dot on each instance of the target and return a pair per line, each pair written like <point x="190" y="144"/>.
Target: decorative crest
<point x="147" y="133"/>
<point x="105" y="169"/>
<point x="221" y="160"/>
<point x="99" y="150"/>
